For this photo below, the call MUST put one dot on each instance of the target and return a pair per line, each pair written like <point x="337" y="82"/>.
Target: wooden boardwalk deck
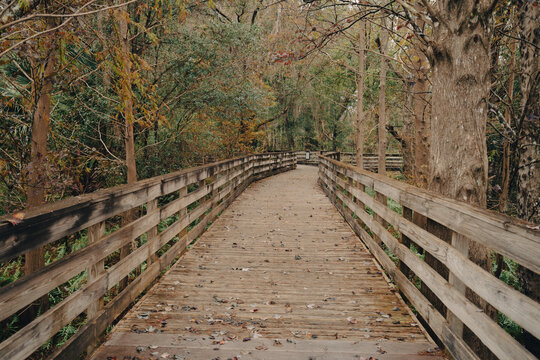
<point x="280" y="275"/>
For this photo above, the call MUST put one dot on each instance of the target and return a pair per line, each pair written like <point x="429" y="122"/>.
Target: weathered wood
<point x="231" y="177"/>
<point x="491" y="229"/>
<point x="152" y="234"/>
<point x="95" y="234"/>
<point x="244" y="272"/>
<point x="489" y="332"/>
<point x="23" y="291"/>
<point x="94" y="328"/>
<point x="461" y="244"/>
<point x="457" y="347"/>
<point x="51" y="222"/>
<point x="517" y="306"/>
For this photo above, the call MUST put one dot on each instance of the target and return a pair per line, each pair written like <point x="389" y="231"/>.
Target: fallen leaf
<point x="16" y="218"/>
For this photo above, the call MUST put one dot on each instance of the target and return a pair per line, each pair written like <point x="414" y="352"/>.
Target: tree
<point x="382" y="100"/>
<point x="528" y="194"/>
<point x="360" y="119"/>
<point x="459" y="56"/>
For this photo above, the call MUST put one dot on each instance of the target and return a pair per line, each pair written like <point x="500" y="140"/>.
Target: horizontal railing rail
<point x="394" y="162"/>
<point x="357" y="195"/>
<point x="171" y="211"/>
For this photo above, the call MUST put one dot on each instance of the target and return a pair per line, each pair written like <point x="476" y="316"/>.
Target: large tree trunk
<point x="459" y="55"/>
<point x="360" y="95"/>
<point x="528" y="196"/>
<point x="529" y="148"/>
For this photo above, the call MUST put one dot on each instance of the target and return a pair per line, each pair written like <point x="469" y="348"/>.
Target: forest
<point x="98" y="93"/>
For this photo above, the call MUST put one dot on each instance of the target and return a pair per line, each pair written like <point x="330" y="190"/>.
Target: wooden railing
<point x="172" y="211"/>
<point x="389" y="233"/>
<point x="394" y="162"/>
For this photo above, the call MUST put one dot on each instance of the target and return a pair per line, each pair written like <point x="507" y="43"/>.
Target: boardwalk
<point x="280" y="275"/>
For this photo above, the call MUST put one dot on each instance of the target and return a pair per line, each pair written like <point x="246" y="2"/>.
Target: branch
<point x="75" y="14"/>
<point x="45" y="31"/>
<point x="259" y="125"/>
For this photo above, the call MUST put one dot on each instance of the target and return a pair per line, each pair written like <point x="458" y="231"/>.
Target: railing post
<point x="461" y="243"/>
<point x="95" y="234"/>
<point x="152" y="234"/>
<point x="407" y="214"/>
<point x="183" y="211"/>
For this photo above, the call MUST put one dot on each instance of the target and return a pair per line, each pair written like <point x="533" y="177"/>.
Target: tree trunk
<point x="528" y="196"/>
<point x="382" y="100"/>
<point x="277" y="22"/>
<point x="37" y="180"/>
<point x="459" y="55"/>
<point x="126" y="99"/>
<point x="360" y="95"/>
<point x="529" y="148"/>
<point x="407" y="134"/>
<point x="421" y="117"/>
<point x="506" y="144"/>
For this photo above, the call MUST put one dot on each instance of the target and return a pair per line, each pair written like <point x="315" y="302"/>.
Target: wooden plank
<point x="497" y="340"/>
<point x="152" y="234"/>
<point x="25" y="290"/>
<point x="491" y="229"/>
<point x="461" y="244"/>
<point x="255" y="242"/>
<point x="43" y="327"/>
<point x="95" y="234"/>
<point x="94" y="328"/>
<point x="51" y="222"/>
<point x="457" y="347"/>
<point x="517" y="306"/>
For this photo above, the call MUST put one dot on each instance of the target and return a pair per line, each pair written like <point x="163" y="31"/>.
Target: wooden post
<point x="407" y="214"/>
<point x="152" y="234"/>
<point x="95" y="234"/>
<point x="183" y="212"/>
<point x="461" y="243"/>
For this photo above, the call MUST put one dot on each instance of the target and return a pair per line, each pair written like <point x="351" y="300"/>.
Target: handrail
<point x="394" y="162"/>
<point x="345" y="186"/>
<point x="195" y="197"/>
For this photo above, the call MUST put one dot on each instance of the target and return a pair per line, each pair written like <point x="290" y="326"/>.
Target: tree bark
<point x="126" y="99"/>
<point x="528" y="196"/>
<point x="360" y="95"/>
<point x="459" y="56"/>
<point x="407" y="134"/>
<point x="382" y="100"/>
<point x="421" y="117"/>
<point x="37" y="179"/>
<point x="529" y="148"/>
<point x="506" y="144"/>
